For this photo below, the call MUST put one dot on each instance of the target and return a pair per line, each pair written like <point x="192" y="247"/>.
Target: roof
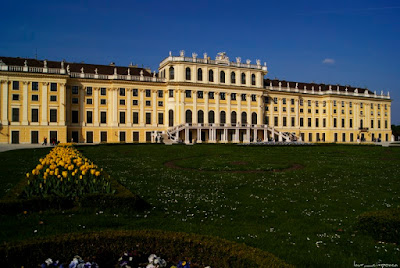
<point x="324" y="87"/>
<point x="76" y="67"/>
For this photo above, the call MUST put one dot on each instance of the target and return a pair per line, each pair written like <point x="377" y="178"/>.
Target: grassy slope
<point x="304" y="216"/>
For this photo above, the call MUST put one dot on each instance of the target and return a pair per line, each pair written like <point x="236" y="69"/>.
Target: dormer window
<point x="199" y="74"/>
<point x="171" y="73"/>
<point x="233" y="78"/>
<point x="211" y="76"/>
<point x="253" y="79"/>
<point x="222" y="77"/>
<point x="188" y="74"/>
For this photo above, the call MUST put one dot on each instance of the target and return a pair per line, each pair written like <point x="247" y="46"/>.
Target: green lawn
<point x="253" y="195"/>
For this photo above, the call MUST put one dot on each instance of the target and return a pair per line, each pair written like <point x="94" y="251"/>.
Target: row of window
<point x="34" y="86"/>
<point x="15" y="115"/>
<point x="211" y="117"/>
<point x="122" y="117"/>
<point x="122" y="92"/>
<point x="222" y="76"/>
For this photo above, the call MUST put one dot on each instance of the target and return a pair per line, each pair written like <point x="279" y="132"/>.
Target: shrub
<point x="383" y="225"/>
<point x="106" y="247"/>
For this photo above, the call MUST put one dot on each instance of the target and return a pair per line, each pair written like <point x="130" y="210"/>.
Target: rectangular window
<point x="148" y="136"/>
<point x="103" y="101"/>
<point x="53" y="115"/>
<point x="343" y="124"/>
<point x="351" y="123"/>
<point x="160" y="93"/>
<point x="309" y="136"/>
<point x="284" y="100"/>
<point x="301" y="110"/>
<point x="148" y="103"/>
<point x="89" y="91"/>
<point x="160" y="103"/>
<point x="135" y="118"/>
<point x="103" y="136"/>
<point x="276" y="121"/>
<point x="334" y="122"/>
<point x="350" y="104"/>
<point x="122" y="117"/>
<point x="75" y="90"/>
<point x="199" y="94"/>
<point x="243" y="96"/>
<point x="342" y="111"/>
<point x="309" y="122"/>
<point x="160" y="118"/>
<point x="75" y="100"/>
<point x="75" y="117"/>
<point x="317" y="111"/>
<point x="361" y="105"/>
<point x="284" y="109"/>
<point x="316" y="104"/>
<point x="253" y="97"/>
<point x="211" y="95"/>
<point x="334" y="103"/>
<point x="53" y="98"/>
<point x="386" y="124"/>
<point x="372" y="123"/>
<point x="89" y="117"/>
<point x="301" y="121"/>
<point x="121" y="102"/>
<point x="15" y="114"/>
<point x="324" y="122"/>
<point x="89" y="101"/>
<point x="351" y="137"/>
<point x="35" y="115"/>
<point x="233" y="96"/>
<point x="284" y="121"/>
<point x="293" y="121"/>
<point x="122" y="91"/>
<point x="103" y="92"/>
<point x="135" y="136"/>
<point x="222" y="95"/>
<point x="15" y="97"/>
<point x="15" y="85"/>
<point x="148" y="118"/>
<point x="135" y="102"/>
<point x="275" y="100"/>
<point x="335" y="135"/>
<point x="301" y="102"/>
<point x="34" y="137"/>
<point x="103" y="117"/>
<point x="171" y="93"/>
<point x="316" y="122"/>
<point x="292" y="101"/>
<point x="53" y="86"/>
<point x="188" y="93"/>
<point x="135" y="92"/>
<point x="148" y="93"/>
<point x="35" y="86"/>
<point x="35" y="97"/>
<point x="379" y="123"/>
<point x="342" y="103"/>
<point x="309" y="103"/>
<point x="343" y="137"/>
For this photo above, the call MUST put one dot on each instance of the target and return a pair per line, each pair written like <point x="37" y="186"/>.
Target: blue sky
<point x="338" y="42"/>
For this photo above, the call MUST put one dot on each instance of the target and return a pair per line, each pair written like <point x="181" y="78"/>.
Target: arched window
<point x="171" y="73"/>
<point x="188" y="116"/>
<point x="199" y="74"/>
<point x="200" y="117"/>
<point x="211" y="117"/>
<point x="244" y="118"/>
<point x="253" y="79"/>
<point x="243" y="78"/>
<point x="233" y="78"/>
<point x="233" y="117"/>
<point x="222" y="77"/>
<point x="211" y="76"/>
<point x="188" y="74"/>
<point x="171" y="118"/>
<point x="254" y="118"/>
<point x="223" y="117"/>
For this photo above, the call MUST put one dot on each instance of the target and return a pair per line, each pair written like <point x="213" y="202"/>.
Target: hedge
<point x="123" y="199"/>
<point x="107" y="246"/>
<point x="383" y="225"/>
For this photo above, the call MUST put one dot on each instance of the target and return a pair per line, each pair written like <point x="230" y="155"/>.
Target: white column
<point x="82" y="106"/>
<point x="141" y="107"/>
<point x="25" y="103"/>
<point x="110" y="102"/>
<point x="279" y="112"/>
<point x="265" y="135"/>
<point x="44" y="104"/>
<point x="199" y="135"/>
<point x="115" y="107"/>
<point x="236" y="139"/>
<point x="4" y="103"/>
<point x="96" y="107"/>
<point x="62" y="104"/>
<point x="187" y="135"/>
<point x="206" y="106"/>
<point x="297" y="112"/>
<point x="194" y="112"/>
<point x="182" y="106"/>
<point x="154" y="113"/>
<point x="255" y="135"/>
<point x="129" y="107"/>
<point x="217" y="112"/>
<point x="224" y="136"/>
<point x="247" y="135"/>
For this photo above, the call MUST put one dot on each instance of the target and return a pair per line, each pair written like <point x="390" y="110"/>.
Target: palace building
<point x="190" y="99"/>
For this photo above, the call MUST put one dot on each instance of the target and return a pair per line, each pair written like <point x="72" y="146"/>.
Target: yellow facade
<point x="195" y="99"/>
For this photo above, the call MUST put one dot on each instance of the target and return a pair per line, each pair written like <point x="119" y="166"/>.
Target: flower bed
<point x="64" y="172"/>
<point x="63" y="179"/>
<point x="107" y="246"/>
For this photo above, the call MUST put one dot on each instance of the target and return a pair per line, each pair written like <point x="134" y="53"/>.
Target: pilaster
<point x="25" y="103"/>
<point x="44" y="121"/>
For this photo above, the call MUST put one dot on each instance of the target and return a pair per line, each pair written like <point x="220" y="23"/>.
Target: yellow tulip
<point x="84" y="172"/>
<point x="27" y="175"/>
<point x="97" y="173"/>
<point x="51" y="172"/>
<point x="65" y="174"/>
<point x="92" y="171"/>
